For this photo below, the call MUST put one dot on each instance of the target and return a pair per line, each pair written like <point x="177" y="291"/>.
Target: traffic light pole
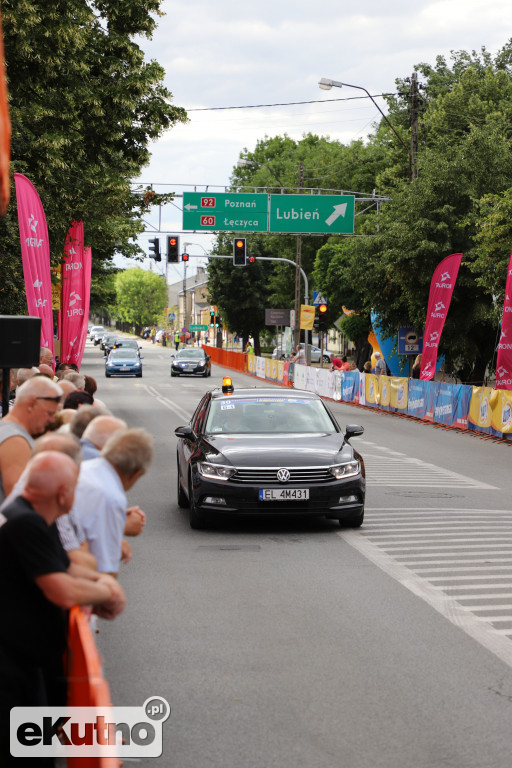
<point x="288" y="261"/>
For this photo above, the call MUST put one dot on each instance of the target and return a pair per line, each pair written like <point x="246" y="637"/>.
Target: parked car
<point x="268" y="452"/>
<point x="123" y="362"/>
<point x="279" y="353"/>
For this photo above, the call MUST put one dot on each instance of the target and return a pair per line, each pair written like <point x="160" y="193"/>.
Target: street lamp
<point x="325" y="84"/>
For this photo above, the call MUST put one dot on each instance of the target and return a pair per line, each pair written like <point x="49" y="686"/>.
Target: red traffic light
<point x="322" y="309"/>
<point x="240" y="243"/>
<point x="185" y="257"/>
<point x="252" y="259"/>
<point x="172" y="241"/>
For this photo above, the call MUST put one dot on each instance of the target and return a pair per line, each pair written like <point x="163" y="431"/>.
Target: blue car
<point x="123" y="362"/>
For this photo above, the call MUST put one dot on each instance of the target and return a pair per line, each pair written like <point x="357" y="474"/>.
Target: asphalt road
<point x="300" y="644"/>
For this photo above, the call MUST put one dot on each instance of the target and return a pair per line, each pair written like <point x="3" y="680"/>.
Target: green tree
<point x="332" y="276"/>
<point x="84" y="107"/>
<point x="240" y="294"/>
<point x="277" y="164"/>
<point x="464" y="156"/>
<point x="140" y="297"/>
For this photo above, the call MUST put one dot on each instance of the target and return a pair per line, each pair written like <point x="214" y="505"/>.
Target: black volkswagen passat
<point x="191" y="360"/>
<point x="267" y="452"/>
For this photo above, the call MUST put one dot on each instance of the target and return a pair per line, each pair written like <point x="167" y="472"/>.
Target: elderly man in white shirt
<point x="99" y="509"/>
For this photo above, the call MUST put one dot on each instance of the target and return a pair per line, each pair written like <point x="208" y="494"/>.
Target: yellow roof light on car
<point x="227" y="385"/>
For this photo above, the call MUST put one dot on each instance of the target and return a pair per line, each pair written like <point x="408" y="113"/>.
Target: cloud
<point x="232" y="53"/>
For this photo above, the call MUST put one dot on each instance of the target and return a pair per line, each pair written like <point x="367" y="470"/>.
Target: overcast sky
<point x="231" y="53"/>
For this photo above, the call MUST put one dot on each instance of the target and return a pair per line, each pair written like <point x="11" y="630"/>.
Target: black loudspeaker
<point x="20" y="341"/>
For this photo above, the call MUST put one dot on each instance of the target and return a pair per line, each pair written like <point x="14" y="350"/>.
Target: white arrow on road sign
<point x="190" y="207"/>
<point x="339" y="210"/>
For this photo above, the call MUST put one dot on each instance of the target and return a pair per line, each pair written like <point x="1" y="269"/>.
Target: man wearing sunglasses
<point x="37" y="402"/>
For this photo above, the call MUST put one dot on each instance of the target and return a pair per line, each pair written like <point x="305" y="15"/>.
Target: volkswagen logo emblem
<point x="283" y="475"/>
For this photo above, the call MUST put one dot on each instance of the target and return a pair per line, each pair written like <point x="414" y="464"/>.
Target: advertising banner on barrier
<point x="359" y="397"/>
<point x="504" y="358"/>
<point x="384" y="393"/>
<point x="251" y="364"/>
<point x="420" y="401"/>
<point x="349" y="385"/>
<point x="480" y="412"/>
<point x="451" y="406"/>
<point x="501" y="405"/>
<point x="399" y="391"/>
<point x="299" y="376"/>
<point x="371" y="390"/>
<point x="440" y="296"/>
<point x="260" y="367"/>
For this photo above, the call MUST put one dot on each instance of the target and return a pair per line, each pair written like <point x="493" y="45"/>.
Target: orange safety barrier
<point x="86" y="685"/>
<point x="227" y="358"/>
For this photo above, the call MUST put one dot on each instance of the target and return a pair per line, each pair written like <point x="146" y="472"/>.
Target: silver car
<point x="279" y="353"/>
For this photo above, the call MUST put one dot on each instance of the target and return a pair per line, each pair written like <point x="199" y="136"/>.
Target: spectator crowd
<point x="66" y="465"/>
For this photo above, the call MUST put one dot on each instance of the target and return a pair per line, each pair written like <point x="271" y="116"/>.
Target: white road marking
<point x="167" y="403"/>
<point x="456" y="560"/>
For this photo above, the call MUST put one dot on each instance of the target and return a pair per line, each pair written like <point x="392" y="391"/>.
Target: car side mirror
<point x="186" y="432"/>
<point x="353" y="430"/>
<point x="141" y="357"/>
<point x="173" y="355"/>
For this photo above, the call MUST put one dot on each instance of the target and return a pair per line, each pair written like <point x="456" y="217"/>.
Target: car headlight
<point x="349" y="469"/>
<point x="215" y="471"/>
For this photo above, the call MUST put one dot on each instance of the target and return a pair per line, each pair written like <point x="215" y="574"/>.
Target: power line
<point x="288" y="103"/>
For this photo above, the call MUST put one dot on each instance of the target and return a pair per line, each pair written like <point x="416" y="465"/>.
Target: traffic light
<point x="185" y="257"/>
<point x="323" y="320"/>
<point x="154" y="249"/>
<point x="173" y="249"/>
<point x="212" y="319"/>
<point x="239" y="251"/>
<point x="252" y="259"/>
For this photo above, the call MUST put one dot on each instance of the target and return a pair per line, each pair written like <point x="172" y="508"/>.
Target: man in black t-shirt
<point x="38" y="585"/>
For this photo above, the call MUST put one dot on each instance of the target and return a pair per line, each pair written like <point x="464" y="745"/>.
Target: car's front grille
<point x="266" y="475"/>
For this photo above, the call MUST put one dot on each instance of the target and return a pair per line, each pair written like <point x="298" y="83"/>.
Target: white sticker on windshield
<point x="227" y="407"/>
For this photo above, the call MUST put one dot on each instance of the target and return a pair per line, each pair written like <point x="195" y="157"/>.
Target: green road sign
<point x="225" y="212"/>
<point x="312" y="213"/>
<point x="198" y="327"/>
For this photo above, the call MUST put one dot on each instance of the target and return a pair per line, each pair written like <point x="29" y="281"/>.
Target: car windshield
<point x="191" y="354"/>
<point x="267" y="415"/>
<point x="123" y="354"/>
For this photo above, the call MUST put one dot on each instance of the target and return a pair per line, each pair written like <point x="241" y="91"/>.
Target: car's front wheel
<point x="197" y="519"/>
<point x="182" y="496"/>
<point x="352" y="522"/>
<point x="327" y="359"/>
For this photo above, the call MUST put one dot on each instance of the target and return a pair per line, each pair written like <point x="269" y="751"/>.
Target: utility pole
<point x="413" y="170"/>
<point x="296" y="335"/>
<point x="185" y="294"/>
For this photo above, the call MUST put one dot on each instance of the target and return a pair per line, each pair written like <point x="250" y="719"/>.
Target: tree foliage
<point x="460" y="202"/>
<point x="84" y="106"/>
<point x="140" y="297"/>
